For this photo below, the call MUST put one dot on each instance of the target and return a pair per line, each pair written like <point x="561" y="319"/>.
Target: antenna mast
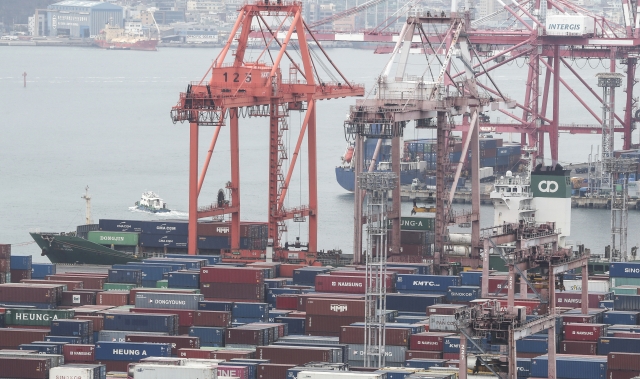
<point x="87" y="198"/>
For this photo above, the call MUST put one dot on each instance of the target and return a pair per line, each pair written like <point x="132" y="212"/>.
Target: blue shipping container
<point x="626" y="302"/>
<point x="184" y="279"/>
<point x="165" y="228"/>
<point x="211" y="259"/>
<point x="250" y="310"/>
<point x="41" y="349"/>
<point x="190" y="264"/>
<point x="606" y="304"/>
<point x="462" y="294"/>
<point x="68" y="339"/>
<point x="163" y="240"/>
<point x="471" y="278"/>
<point x="149" y="271"/>
<point x="210" y="337"/>
<point x="621" y="318"/>
<point x="133" y="276"/>
<point x="426" y="282"/>
<point x="412" y="302"/>
<point x="571" y="367"/>
<point x="295" y="324"/>
<point x="120" y="225"/>
<point x="141" y="322"/>
<point x="130" y="351"/>
<point x="21" y="262"/>
<point x="41" y="270"/>
<point x="533" y="345"/>
<point x="425" y="363"/>
<point x="422" y="268"/>
<point x="57" y="346"/>
<point x="307" y="275"/>
<point x="82" y="328"/>
<point x="624" y="270"/>
<point x="214" y="242"/>
<point x="524" y="367"/>
<point x="219" y="306"/>
<point x="608" y="345"/>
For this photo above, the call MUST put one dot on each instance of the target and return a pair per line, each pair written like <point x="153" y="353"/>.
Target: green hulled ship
<point x="68" y="248"/>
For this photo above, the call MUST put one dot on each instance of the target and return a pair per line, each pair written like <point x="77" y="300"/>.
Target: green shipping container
<point x="162" y="284"/>
<point x="625" y="290"/>
<point x="113" y="238"/>
<point x="35" y="317"/>
<point x="118" y="286"/>
<point x="417" y="223"/>
<point x="617" y="282"/>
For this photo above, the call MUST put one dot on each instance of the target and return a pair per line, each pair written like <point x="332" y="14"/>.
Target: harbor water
<point x="101" y="118"/>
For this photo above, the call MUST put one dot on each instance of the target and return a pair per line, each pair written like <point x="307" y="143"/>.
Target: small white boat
<point x="150" y="202"/>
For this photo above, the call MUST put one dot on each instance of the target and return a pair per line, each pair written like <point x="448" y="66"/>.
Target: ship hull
<point x="148" y="45"/>
<point x="152" y="210"/>
<point x="71" y="249"/>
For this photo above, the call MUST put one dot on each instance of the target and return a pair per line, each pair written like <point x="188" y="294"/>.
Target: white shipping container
<point x="338" y="375"/>
<point x="62" y="372"/>
<point x="569" y="25"/>
<point x="594" y="285"/>
<point x="442" y="323"/>
<point x="154" y="371"/>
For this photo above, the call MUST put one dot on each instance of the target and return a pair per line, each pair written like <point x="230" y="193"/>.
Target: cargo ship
<point x="114" y="38"/>
<point x="418" y="160"/>
<point x="150" y="202"/>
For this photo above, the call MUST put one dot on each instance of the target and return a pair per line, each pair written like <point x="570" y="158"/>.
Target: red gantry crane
<point x="240" y="88"/>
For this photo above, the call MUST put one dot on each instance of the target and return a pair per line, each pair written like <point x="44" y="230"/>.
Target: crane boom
<point x="346" y="13"/>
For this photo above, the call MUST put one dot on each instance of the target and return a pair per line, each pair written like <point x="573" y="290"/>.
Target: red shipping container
<point x="294" y="355"/>
<point x="74" y="298"/>
<point x="286" y="269"/>
<point x="622" y="374"/>
<point x="530" y="305"/>
<point x="578" y="319"/>
<point x="118" y="366"/>
<point x="89" y="282"/>
<point x="27" y="368"/>
<point x="393" y="336"/>
<point x="287" y="301"/>
<point x="346" y="284"/>
<point x="428" y="341"/>
<point x="71" y="284"/>
<point x="177" y="342"/>
<point x="5" y="251"/>
<point x="303" y="298"/>
<point x="335" y="307"/>
<point x="578" y="347"/>
<point x="18" y="275"/>
<point x="230" y="354"/>
<point x="410" y="354"/>
<point x="243" y="336"/>
<point x="185" y="317"/>
<point x="115" y="298"/>
<point x="451" y="356"/>
<point x="356" y="273"/>
<point x="329" y="323"/>
<point x="626" y="335"/>
<point x="98" y="321"/>
<point x="5" y="265"/>
<point x="584" y="332"/>
<point x="78" y="353"/>
<point x="212" y="318"/>
<point x="27" y="293"/>
<point x="498" y="285"/>
<point x="134" y="291"/>
<point x="194" y="353"/>
<point x="623" y="361"/>
<point x="14" y="337"/>
<point x="213" y="274"/>
<point x="232" y="291"/>
<point x="273" y="371"/>
<point x="574" y="299"/>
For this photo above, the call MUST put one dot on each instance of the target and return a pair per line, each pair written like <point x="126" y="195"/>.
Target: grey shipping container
<point x="168" y="300"/>
<point x="442" y="323"/>
<point x="120" y="335"/>
<point x="393" y="354"/>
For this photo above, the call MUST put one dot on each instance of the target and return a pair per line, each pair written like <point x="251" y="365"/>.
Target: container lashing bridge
<point x="240" y="88"/>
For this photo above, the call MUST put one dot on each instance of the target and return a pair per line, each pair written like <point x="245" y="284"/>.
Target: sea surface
<point x="99" y="118"/>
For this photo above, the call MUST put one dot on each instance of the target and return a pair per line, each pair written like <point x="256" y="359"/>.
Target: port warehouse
<point x="272" y="320"/>
<point x="81" y="19"/>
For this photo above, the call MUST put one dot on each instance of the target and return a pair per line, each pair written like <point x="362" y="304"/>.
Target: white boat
<point x="150" y="202"/>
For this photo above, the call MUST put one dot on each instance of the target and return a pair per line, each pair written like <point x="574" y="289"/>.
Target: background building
<point x="81" y="19"/>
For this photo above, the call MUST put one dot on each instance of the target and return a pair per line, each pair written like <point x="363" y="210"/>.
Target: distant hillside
<point x="19" y="11"/>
